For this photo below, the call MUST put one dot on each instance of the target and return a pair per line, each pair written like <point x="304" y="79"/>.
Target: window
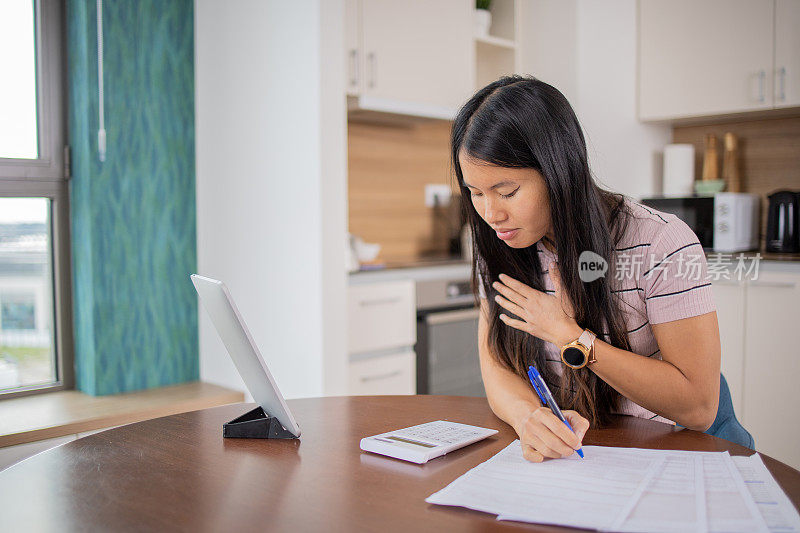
<point x="18" y="130"/>
<point x="35" y="331"/>
<point x="18" y="313"/>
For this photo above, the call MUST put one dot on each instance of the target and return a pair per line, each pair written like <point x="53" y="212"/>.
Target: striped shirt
<point x="659" y="273"/>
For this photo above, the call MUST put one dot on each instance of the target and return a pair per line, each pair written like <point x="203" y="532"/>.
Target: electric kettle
<point x="783" y="222"/>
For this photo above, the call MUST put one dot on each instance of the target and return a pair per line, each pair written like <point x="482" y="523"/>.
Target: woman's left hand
<point x="549" y="317"/>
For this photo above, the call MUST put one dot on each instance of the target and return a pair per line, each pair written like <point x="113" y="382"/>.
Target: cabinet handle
<point x="381" y="301"/>
<point x="774" y="284"/>
<point x="782" y="84"/>
<point x="449" y="317"/>
<point x="727" y="283"/>
<point x="762" y="76"/>
<point x="354" y="68"/>
<point x="388" y="375"/>
<point x="372" y="69"/>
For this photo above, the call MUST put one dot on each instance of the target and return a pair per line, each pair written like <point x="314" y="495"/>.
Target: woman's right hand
<point x="542" y="434"/>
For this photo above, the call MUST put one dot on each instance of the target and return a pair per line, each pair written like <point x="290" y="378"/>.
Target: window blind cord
<point x="101" y="132"/>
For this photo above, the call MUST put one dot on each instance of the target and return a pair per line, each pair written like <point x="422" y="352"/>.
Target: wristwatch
<point x="580" y="352"/>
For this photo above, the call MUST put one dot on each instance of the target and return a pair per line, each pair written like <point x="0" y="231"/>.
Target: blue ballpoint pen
<point x="547" y="398"/>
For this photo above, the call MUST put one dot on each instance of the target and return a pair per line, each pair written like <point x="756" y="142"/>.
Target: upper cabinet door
<point x="418" y="51"/>
<point x="787" y="53"/>
<point x="704" y="58"/>
<point x="352" y="47"/>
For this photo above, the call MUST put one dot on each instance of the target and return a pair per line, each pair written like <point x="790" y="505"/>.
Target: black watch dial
<point x="574" y="356"/>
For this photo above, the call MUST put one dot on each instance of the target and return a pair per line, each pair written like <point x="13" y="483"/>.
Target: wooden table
<point x="178" y="473"/>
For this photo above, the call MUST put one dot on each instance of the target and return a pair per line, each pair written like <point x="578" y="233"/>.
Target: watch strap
<point x="587" y="339"/>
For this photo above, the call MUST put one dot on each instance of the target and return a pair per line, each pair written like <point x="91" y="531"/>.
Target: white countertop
<point x="462" y="270"/>
<point x="459" y="270"/>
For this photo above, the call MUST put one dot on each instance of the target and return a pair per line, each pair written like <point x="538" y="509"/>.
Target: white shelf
<point x="497" y="54"/>
<point x="497" y="41"/>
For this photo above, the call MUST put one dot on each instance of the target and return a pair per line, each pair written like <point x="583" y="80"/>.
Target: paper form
<point x="729" y="505"/>
<point x="595" y="492"/>
<point x="615" y="489"/>
<point x="721" y="502"/>
<point x="773" y="504"/>
<point x="674" y="501"/>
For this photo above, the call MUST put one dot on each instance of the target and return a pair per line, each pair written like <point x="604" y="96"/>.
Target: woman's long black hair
<point x="522" y="122"/>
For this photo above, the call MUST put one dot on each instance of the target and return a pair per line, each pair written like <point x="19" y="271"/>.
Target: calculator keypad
<point x="421" y="443"/>
<point x="440" y="433"/>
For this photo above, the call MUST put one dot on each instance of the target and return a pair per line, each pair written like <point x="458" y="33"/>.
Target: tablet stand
<point x="256" y="424"/>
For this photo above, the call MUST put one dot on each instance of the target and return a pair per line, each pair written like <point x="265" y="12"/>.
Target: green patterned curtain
<point x="133" y="216"/>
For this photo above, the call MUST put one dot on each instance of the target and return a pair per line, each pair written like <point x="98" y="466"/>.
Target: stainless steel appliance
<point x="447" y="339"/>
<point x="725" y="222"/>
<point x="783" y="222"/>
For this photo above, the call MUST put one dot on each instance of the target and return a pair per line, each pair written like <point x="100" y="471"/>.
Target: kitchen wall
<point x="549" y="43"/>
<point x="769" y="153"/>
<point x="585" y="49"/>
<point x="625" y="154"/>
<point x="271" y="185"/>
<point x="588" y="50"/>
<point x="388" y="168"/>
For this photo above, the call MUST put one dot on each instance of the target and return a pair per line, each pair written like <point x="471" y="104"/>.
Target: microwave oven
<point x="724" y="222"/>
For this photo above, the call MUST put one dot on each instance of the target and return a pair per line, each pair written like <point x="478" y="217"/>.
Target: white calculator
<point x="420" y="444"/>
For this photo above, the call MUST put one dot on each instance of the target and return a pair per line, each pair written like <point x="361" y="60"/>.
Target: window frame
<point x="47" y="177"/>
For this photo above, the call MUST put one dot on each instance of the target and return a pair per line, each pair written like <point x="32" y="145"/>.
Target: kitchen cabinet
<point x="381" y="334"/>
<point x="757" y="321"/>
<point x="387" y="374"/>
<point x="787" y="53"/>
<point x="772" y="365"/>
<point x="498" y="53"/>
<point x="717" y="57"/>
<point x="352" y="27"/>
<point x="381" y="316"/>
<point x="413" y="57"/>
<point x="729" y="297"/>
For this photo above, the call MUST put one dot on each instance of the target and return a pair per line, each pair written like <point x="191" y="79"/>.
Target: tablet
<point x="243" y="350"/>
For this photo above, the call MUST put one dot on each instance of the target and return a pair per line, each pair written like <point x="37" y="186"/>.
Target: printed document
<point x="772" y="502"/>
<point x="596" y="492"/>
<point x="696" y="491"/>
<point x="615" y="489"/>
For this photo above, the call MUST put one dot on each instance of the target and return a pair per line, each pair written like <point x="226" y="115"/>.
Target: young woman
<point x="538" y="219"/>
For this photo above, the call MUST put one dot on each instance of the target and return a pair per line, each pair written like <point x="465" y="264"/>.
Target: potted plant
<point x="483" y="17"/>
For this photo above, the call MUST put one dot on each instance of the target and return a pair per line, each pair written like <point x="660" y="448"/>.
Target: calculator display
<point x="423" y="442"/>
<point x="410" y="441"/>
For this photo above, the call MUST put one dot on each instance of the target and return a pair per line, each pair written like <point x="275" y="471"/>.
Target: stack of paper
<point x="627" y="489"/>
<point x="773" y="504"/>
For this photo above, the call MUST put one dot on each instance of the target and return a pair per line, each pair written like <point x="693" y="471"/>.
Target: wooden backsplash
<point x="769" y="153"/>
<point x="389" y="167"/>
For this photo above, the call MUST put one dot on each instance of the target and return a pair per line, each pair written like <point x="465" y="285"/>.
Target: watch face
<point x="574" y="357"/>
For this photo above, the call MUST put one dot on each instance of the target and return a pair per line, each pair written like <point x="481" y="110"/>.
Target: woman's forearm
<point x="510" y="398"/>
<point x="657" y="385"/>
<point x="683" y="387"/>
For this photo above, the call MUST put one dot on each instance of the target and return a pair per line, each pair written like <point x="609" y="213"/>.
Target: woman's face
<point x="513" y="201"/>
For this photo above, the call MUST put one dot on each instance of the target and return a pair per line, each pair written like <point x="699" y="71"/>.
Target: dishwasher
<point x="447" y="339"/>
